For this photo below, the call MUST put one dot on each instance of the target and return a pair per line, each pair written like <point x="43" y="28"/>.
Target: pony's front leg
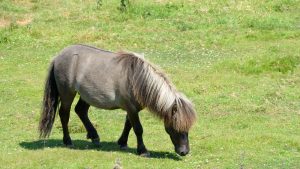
<point x="124" y="136"/>
<point x="138" y="130"/>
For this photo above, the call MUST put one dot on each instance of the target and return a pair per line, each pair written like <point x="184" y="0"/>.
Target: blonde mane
<point x="152" y="89"/>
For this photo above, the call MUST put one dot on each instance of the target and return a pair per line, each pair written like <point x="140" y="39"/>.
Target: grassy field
<point x="238" y="61"/>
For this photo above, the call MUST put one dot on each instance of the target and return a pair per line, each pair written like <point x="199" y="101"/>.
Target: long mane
<point x="152" y="89"/>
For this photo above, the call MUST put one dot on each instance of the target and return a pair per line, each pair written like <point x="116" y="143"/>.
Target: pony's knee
<point x="138" y="130"/>
<point x="64" y="110"/>
<point x="78" y="108"/>
<point x="81" y="107"/>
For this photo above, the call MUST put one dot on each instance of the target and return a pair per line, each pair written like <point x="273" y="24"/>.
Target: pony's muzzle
<point x="182" y="150"/>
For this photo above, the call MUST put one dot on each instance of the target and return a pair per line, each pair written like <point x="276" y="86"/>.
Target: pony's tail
<point x="49" y="105"/>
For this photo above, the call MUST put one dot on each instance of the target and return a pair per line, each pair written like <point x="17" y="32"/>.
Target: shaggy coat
<point x="109" y="81"/>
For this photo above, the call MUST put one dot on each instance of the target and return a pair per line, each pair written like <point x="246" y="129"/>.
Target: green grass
<point x="238" y="61"/>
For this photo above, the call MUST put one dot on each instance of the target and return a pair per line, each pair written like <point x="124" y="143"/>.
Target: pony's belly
<point x="101" y="101"/>
<point x="105" y="106"/>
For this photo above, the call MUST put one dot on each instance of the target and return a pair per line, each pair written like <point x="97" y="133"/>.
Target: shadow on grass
<point x="86" y="145"/>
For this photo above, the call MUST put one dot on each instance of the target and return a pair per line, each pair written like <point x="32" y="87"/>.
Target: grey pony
<point x="109" y="81"/>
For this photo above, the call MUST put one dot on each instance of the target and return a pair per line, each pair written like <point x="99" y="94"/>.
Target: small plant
<point x="99" y="3"/>
<point x="124" y="4"/>
<point x="118" y="164"/>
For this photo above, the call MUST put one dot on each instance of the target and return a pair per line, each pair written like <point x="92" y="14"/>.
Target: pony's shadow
<point x="86" y="145"/>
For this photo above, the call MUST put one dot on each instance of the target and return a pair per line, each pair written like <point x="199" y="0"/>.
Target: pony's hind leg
<point x="81" y="110"/>
<point x="66" y="99"/>
<point x="124" y="136"/>
<point x="64" y="113"/>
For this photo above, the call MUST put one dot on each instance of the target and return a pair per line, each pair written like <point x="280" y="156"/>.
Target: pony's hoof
<point x="146" y="154"/>
<point x="124" y="147"/>
<point x="69" y="145"/>
<point x="96" y="141"/>
<point x="67" y="142"/>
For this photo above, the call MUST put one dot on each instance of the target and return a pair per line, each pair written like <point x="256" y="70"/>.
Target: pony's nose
<point x="183" y="153"/>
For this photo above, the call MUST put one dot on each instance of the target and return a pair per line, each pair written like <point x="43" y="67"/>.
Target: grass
<point x="237" y="60"/>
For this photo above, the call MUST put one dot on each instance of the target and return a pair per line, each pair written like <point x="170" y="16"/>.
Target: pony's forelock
<point x="184" y="117"/>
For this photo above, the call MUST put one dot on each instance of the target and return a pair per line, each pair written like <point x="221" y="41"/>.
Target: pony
<point x="109" y="80"/>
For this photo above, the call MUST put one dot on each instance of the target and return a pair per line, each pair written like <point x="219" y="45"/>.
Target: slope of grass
<point x="238" y="61"/>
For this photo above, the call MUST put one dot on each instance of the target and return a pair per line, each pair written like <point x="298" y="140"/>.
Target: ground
<point x="238" y="61"/>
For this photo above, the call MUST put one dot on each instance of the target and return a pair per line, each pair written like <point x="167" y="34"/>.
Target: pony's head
<point x="153" y="90"/>
<point x="179" y="120"/>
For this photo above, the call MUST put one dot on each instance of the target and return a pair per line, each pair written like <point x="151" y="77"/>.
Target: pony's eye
<point x="174" y="109"/>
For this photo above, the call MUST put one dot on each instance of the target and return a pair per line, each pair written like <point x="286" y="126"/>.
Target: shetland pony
<point x="111" y="80"/>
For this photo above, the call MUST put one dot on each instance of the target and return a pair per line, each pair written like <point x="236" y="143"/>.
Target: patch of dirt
<point x="23" y="3"/>
<point x="162" y="1"/>
<point x="24" y="21"/>
<point x="27" y="19"/>
<point x="4" y="23"/>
